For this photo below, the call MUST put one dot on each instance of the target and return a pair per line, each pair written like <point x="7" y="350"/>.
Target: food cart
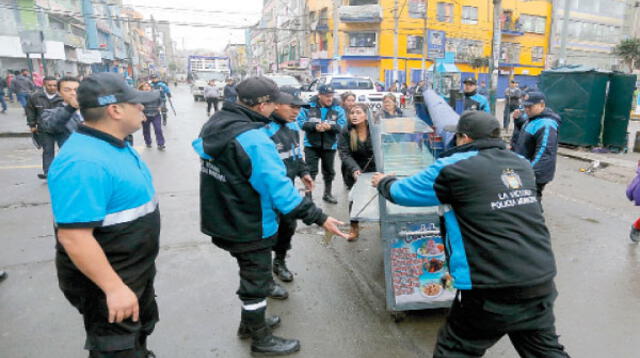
<point x="415" y="265"/>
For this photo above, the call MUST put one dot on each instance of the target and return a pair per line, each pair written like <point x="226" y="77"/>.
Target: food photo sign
<point x="419" y="266"/>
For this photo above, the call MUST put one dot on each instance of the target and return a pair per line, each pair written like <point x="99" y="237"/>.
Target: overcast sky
<point x="229" y="13"/>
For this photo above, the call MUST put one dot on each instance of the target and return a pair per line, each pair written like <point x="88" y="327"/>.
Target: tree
<point x="628" y="51"/>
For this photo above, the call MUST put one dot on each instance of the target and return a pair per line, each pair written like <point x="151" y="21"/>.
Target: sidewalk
<point x="13" y="123"/>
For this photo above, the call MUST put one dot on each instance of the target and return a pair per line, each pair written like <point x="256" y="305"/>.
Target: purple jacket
<point x="633" y="190"/>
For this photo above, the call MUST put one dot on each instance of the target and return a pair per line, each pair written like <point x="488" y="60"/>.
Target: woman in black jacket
<point x="356" y="152"/>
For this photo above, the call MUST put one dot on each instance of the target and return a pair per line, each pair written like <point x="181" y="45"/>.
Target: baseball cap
<point x="256" y="90"/>
<point x="475" y="124"/>
<point x="326" y="89"/>
<point x="534" y="98"/>
<point x="105" y="88"/>
<point x="470" y="80"/>
<point x="290" y="95"/>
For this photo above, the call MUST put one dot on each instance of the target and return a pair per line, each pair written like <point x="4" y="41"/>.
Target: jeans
<point x="22" y="99"/>
<point x="157" y="128"/>
<point x="3" y="102"/>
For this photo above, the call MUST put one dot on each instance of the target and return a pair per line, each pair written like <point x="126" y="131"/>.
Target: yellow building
<point x="460" y="30"/>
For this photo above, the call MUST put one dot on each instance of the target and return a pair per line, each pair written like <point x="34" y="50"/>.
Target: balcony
<point x="360" y="14"/>
<point x="510" y="26"/>
<point x="360" y="51"/>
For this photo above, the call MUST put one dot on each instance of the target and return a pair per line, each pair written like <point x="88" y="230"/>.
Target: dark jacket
<point x="310" y="117"/>
<point x="396" y="114"/>
<point x="152" y="109"/>
<point x="353" y="160"/>
<point x="3" y="84"/>
<point x="243" y="182"/>
<point x="22" y="84"/>
<point x="538" y="142"/>
<point x="37" y="104"/>
<point x="286" y="136"/>
<point x="476" y="102"/>
<point x="229" y="93"/>
<point x="62" y="121"/>
<point x="496" y="239"/>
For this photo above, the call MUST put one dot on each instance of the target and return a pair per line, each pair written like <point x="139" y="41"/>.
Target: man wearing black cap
<point x="243" y="189"/>
<point x="321" y="123"/>
<point x="472" y="100"/>
<point x="107" y="220"/>
<point x="538" y="139"/>
<point x="498" y="247"/>
<point x="285" y="133"/>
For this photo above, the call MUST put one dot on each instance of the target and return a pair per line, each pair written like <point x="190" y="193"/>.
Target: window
<point x="536" y="24"/>
<point x="362" y="39"/>
<point x="445" y="12"/>
<point x="510" y="52"/>
<point x="56" y="24"/>
<point x="537" y="53"/>
<point x="464" y="50"/>
<point x="363" y="2"/>
<point x="414" y="44"/>
<point x="416" y="9"/>
<point x="470" y="15"/>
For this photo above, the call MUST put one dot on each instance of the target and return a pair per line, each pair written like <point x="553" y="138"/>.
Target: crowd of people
<point x="107" y="219"/>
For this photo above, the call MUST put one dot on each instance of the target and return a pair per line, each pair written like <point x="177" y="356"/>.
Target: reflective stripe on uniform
<point x="130" y="214"/>
<point x="255" y="306"/>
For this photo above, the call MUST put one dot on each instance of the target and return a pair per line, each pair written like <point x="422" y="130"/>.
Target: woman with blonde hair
<point x="356" y="152"/>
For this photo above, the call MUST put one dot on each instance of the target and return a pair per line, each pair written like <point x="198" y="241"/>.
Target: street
<point x="337" y="304"/>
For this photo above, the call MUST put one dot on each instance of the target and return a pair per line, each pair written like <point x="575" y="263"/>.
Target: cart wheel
<point x="398" y="316"/>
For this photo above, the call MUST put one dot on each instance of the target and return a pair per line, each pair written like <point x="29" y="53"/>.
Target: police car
<point x="362" y="87"/>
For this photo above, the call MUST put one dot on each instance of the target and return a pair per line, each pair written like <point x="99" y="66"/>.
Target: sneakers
<point x="42" y="176"/>
<point x="162" y="147"/>
<point x="149" y="145"/>
<point x="634" y="235"/>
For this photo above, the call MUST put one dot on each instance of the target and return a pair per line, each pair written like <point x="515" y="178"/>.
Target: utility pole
<point x="563" y="34"/>
<point x="494" y="63"/>
<point x="425" y="42"/>
<point x="395" y="42"/>
<point x="275" y="39"/>
<point x="336" y="39"/>
<point x="155" y="44"/>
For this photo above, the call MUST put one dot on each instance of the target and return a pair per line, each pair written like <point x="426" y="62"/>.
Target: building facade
<point x="594" y="28"/>
<point x="458" y="32"/>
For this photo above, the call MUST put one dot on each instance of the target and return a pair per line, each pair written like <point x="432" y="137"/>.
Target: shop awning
<point x="445" y="68"/>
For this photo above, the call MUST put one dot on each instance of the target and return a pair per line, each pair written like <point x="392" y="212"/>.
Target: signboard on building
<point x="437" y="44"/>
<point x="32" y="41"/>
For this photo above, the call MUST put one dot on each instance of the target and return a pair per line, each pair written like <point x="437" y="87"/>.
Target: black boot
<point x="278" y="292"/>
<point x="264" y="343"/>
<point x="280" y="268"/>
<point x="327" y="194"/>
<point x="245" y="332"/>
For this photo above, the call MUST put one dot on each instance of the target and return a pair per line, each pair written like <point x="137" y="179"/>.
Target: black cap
<point x="105" y="88"/>
<point x="154" y="76"/>
<point x="534" y="98"/>
<point x="256" y="90"/>
<point x="326" y="89"/>
<point x="291" y="96"/>
<point x="476" y="124"/>
<point x="470" y="80"/>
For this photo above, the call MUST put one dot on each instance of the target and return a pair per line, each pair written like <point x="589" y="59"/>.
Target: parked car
<point x="362" y="87"/>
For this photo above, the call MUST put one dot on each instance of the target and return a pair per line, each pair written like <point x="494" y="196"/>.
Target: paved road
<point x="337" y="305"/>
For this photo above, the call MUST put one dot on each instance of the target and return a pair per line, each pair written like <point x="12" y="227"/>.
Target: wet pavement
<point x="337" y="304"/>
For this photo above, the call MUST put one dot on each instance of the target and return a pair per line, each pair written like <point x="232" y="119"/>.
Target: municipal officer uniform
<point x="243" y="189"/>
<point x="322" y="146"/>
<point x="98" y="181"/>
<point x="474" y="101"/>
<point x="286" y="136"/>
<point x="498" y="246"/>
